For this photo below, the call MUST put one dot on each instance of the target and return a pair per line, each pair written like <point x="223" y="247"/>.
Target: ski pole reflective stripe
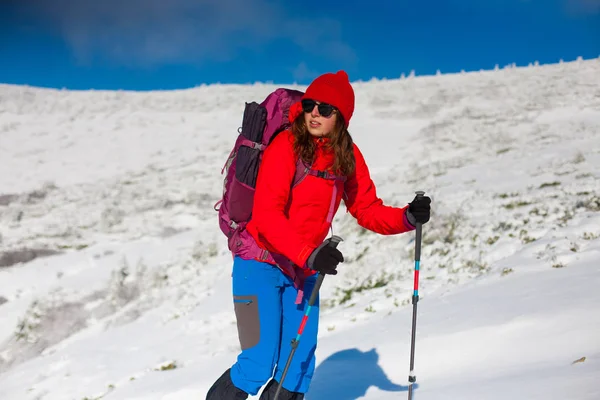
<point x="303" y="323"/>
<point x="416" y="292"/>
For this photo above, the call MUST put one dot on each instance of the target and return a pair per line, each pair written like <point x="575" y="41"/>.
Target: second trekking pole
<point x="313" y="296"/>
<point x="415" y="299"/>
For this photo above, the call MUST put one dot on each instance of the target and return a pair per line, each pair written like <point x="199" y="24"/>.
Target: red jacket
<point x="294" y="222"/>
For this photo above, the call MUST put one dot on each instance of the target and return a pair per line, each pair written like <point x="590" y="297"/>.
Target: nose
<point x="315" y="111"/>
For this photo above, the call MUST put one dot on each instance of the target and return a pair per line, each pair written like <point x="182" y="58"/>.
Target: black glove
<point x="325" y="259"/>
<point x="419" y="210"/>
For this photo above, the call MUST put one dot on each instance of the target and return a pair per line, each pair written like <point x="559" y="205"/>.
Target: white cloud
<point x="150" y="32"/>
<point x="303" y="72"/>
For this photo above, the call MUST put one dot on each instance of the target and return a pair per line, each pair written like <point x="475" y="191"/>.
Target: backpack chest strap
<point x="326" y="175"/>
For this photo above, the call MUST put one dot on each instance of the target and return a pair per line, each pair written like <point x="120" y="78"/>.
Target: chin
<point x="316" y="133"/>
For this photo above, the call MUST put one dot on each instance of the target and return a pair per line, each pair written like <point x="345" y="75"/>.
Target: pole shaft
<point x="311" y="301"/>
<point x="415" y="299"/>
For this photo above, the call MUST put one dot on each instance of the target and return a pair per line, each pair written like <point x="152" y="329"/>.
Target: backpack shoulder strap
<point x="302" y="170"/>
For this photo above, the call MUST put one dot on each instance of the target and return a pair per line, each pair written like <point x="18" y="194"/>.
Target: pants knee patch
<point x="248" y="320"/>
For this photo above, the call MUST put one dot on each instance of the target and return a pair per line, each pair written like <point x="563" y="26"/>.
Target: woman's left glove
<point x="325" y="259"/>
<point x="419" y="210"/>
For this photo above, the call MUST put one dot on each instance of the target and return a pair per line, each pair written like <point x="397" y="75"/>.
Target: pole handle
<point x="419" y="230"/>
<point x="333" y="242"/>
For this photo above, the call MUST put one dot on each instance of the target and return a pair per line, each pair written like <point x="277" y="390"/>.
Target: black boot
<point x="284" y="394"/>
<point x="224" y="389"/>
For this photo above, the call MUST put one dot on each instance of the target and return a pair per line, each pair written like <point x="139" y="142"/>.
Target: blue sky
<point x="160" y="44"/>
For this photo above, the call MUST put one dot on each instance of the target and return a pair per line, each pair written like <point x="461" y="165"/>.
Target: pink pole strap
<point x="332" y="204"/>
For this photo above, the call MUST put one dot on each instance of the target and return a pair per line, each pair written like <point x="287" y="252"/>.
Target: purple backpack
<point x="260" y="124"/>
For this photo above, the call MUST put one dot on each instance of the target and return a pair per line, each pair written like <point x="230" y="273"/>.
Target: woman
<point x="294" y="222"/>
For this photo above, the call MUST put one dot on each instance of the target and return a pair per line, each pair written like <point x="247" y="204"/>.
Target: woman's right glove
<point x="325" y="259"/>
<point x="419" y="210"/>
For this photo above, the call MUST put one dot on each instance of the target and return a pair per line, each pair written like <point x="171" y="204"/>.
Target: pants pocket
<point x="248" y="320"/>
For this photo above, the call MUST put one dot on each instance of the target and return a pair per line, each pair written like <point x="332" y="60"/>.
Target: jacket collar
<point x="321" y="141"/>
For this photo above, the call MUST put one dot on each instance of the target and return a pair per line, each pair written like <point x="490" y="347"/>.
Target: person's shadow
<point x="348" y="374"/>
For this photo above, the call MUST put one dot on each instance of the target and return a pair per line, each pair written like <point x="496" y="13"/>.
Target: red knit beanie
<point x="334" y="89"/>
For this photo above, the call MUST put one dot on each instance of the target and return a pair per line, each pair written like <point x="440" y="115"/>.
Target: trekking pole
<point x="313" y="296"/>
<point x="415" y="299"/>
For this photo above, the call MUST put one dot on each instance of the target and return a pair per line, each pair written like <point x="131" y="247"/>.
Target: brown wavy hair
<point x="340" y="142"/>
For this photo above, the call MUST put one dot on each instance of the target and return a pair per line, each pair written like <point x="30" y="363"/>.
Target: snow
<point x="136" y="304"/>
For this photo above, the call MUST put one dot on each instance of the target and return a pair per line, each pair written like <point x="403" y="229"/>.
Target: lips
<point x="314" y="124"/>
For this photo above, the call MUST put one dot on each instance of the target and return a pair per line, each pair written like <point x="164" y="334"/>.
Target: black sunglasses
<point x="324" y="109"/>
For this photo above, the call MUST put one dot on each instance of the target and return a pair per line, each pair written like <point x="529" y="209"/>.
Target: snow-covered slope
<point x="125" y="294"/>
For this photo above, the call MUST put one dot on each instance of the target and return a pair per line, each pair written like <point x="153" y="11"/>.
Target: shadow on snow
<point x="348" y="374"/>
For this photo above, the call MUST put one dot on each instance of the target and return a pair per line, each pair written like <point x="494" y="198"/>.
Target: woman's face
<point x="318" y="125"/>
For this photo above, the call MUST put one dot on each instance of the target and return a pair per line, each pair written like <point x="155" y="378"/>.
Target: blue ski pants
<point x="268" y="319"/>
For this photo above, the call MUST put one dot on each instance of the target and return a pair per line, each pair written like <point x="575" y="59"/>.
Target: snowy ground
<point x="124" y="288"/>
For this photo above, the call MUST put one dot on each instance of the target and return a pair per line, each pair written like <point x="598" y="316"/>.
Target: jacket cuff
<point x="409" y="220"/>
<point x="304" y="255"/>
